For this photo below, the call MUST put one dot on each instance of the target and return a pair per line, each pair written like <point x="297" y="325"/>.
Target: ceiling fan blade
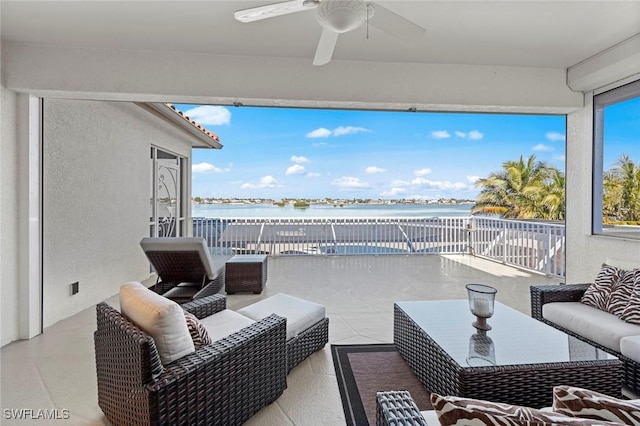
<point x="326" y="45"/>
<point x="272" y="10"/>
<point x="395" y="25"/>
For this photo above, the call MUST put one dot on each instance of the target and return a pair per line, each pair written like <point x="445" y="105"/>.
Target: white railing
<point x="537" y="246"/>
<point x="530" y="245"/>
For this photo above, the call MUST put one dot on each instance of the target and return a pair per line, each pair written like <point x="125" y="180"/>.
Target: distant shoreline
<point x="352" y="210"/>
<point x="328" y="201"/>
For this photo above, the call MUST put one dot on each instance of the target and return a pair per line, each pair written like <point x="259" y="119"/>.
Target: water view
<point x="232" y="211"/>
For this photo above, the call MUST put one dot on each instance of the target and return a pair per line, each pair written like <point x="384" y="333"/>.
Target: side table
<point x="246" y="273"/>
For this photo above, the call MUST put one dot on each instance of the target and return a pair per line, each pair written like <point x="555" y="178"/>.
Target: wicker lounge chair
<point x="397" y="408"/>
<point x="185" y="268"/>
<point x="223" y="383"/>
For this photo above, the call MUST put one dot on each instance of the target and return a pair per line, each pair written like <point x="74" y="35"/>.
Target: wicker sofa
<point x="542" y="295"/>
<point x="223" y="383"/>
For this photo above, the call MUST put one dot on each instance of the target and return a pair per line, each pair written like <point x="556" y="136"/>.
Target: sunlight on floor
<point x="493" y="268"/>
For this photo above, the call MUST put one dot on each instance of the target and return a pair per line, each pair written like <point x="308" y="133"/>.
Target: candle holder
<point x="482" y="352"/>
<point x="481" y="302"/>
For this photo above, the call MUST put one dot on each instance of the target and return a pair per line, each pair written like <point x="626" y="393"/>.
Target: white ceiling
<point x="550" y="33"/>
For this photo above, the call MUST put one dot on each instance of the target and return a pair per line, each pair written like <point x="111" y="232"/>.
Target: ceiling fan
<point x="337" y="17"/>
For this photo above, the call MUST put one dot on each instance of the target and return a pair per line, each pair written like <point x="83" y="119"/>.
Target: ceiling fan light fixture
<point x="342" y="16"/>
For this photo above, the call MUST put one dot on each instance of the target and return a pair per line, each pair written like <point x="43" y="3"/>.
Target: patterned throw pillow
<point x="598" y="293"/>
<point x="198" y="333"/>
<point x="588" y="404"/>
<point x="458" y="411"/>
<point x="621" y="292"/>
<point x="631" y="312"/>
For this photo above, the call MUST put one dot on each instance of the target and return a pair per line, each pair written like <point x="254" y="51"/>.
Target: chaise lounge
<point x="185" y="267"/>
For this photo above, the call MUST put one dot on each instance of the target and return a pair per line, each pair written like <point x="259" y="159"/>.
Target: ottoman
<point x="307" y="325"/>
<point x="246" y="273"/>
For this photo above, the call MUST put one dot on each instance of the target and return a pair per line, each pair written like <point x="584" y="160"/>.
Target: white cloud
<point x="542" y="147"/>
<point x="321" y="144"/>
<point x="206" y="168"/>
<point x="473" y="179"/>
<point x="264" y="182"/>
<point x="319" y="133"/>
<point x="313" y="174"/>
<point x="419" y="181"/>
<point x="374" y="169"/>
<point x="422" y="172"/>
<point x="338" y="131"/>
<point x="296" y="169"/>
<point x="209" y="114"/>
<point x="348" y="182"/>
<point x="440" y="134"/>
<point x="475" y="135"/>
<point x="349" y="130"/>
<point x="393" y="192"/>
<point x="400" y="183"/>
<point x="299" y="159"/>
<point x="439" y="184"/>
<point x="554" y="136"/>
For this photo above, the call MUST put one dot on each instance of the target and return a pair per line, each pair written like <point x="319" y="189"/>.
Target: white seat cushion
<point x="630" y="347"/>
<point x="160" y="318"/>
<point x="431" y="416"/>
<point x="300" y="314"/>
<point x="224" y="323"/>
<point x="592" y="323"/>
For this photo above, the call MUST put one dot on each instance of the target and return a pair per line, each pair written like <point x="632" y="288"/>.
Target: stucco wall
<point x="585" y="252"/>
<point x="96" y="198"/>
<point x="9" y="277"/>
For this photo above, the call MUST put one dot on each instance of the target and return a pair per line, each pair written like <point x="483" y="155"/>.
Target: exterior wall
<point x="9" y="214"/>
<point x="585" y="252"/>
<point x="96" y="198"/>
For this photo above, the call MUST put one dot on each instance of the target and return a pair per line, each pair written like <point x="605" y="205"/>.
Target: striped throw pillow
<point x="621" y="291"/>
<point x="631" y="312"/>
<point x="459" y="411"/>
<point x="198" y="333"/>
<point x="587" y="404"/>
<point x="599" y="292"/>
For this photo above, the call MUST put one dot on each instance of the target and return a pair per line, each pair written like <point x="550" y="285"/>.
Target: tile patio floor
<point x="57" y="370"/>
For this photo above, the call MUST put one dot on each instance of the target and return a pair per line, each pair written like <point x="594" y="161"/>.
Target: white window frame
<point x="600" y="102"/>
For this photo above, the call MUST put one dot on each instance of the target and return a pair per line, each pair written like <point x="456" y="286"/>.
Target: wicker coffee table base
<point x="530" y="385"/>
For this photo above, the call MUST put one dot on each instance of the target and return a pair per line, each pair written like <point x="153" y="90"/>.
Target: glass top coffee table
<point x="518" y="361"/>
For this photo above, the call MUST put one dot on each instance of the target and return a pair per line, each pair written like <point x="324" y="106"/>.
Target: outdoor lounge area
<point x="95" y="156"/>
<point x="57" y="368"/>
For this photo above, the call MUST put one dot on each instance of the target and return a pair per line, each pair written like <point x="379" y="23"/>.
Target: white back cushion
<point x="160" y="318"/>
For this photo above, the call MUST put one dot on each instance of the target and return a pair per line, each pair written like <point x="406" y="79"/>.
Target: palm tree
<point x="554" y="200"/>
<point x="522" y="190"/>
<point x="621" y="200"/>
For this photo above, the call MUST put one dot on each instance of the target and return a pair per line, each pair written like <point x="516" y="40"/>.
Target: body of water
<point x="230" y="211"/>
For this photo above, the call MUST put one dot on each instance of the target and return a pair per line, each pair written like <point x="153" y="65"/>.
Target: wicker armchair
<point x="397" y="408"/>
<point x="541" y="295"/>
<point x="224" y="383"/>
<point x="185" y="267"/>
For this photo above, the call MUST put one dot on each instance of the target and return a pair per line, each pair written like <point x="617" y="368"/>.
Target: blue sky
<point x="309" y="153"/>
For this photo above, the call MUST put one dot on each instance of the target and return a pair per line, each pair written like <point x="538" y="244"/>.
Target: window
<point x="167" y="201"/>
<point x="616" y="166"/>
